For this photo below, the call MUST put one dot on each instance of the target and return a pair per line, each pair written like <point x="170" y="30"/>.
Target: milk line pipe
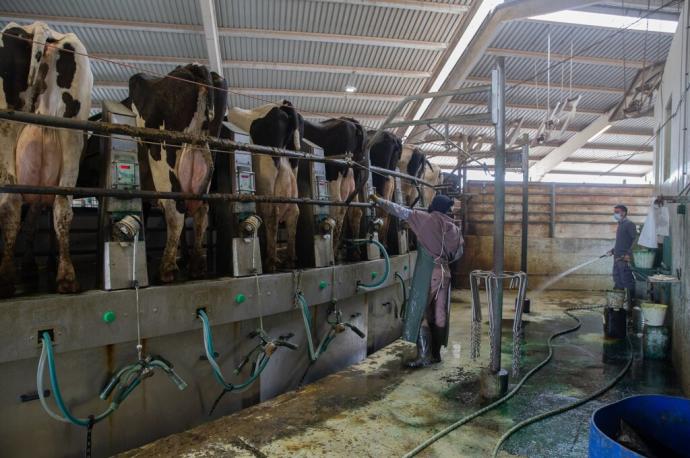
<point x="220" y="145"/>
<point x="141" y="194"/>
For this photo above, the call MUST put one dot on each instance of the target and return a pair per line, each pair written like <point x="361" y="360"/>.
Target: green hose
<point x="85" y="422"/>
<point x="262" y="360"/>
<point x="560" y="410"/>
<point x="512" y="392"/>
<point x="382" y="249"/>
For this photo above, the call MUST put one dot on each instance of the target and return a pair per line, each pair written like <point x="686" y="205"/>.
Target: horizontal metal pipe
<point x="401" y="175"/>
<point x="224" y="145"/>
<point x="139" y="194"/>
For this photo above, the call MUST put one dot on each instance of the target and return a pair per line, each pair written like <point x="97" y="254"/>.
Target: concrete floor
<point x="378" y="408"/>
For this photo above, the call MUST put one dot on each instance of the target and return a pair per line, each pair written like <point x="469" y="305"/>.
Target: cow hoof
<point x="6" y="289"/>
<point x="67" y="286"/>
<point x="168" y="277"/>
<point x="197" y="267"/>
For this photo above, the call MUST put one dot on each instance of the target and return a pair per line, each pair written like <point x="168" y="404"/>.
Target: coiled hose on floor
<point x="404" y="291"/>
<point x="519" y="385"/>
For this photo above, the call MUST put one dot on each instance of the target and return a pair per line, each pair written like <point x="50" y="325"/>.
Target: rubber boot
<point x="423" y="358"/>
<point x="437" y="337"/>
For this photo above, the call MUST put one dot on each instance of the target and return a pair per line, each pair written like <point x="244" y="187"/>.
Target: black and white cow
<point x="278" y="126"/>
<point x="338" y="137"/>
<point x="43" y="72"/>
<point x="451" y="183"/>
<point x="193" y="100"/>
<point x="414" y="162"/>
<point x="384" y="153"/>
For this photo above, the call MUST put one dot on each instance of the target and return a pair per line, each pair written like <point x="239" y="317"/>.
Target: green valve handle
<point x="374" y="274"/>
<point x="405" y="267"/>
<point x="323" y="284"/>
<point x="109" y="317"/>
<point x="240" y="298"/>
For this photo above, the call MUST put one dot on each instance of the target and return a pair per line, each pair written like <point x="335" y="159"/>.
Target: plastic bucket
<point x="654" y="314"/>
<point x="662" y="420"/>
<point x="615" y="324"/>
<point x="615" y="298"/>
<point x="644" y="259"/>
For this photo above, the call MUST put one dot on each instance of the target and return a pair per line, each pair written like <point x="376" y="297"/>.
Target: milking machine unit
<point x="315" y="235"/>
<point x="372" y="223"/>
<point x="237" y="224"/>
<point x="121" y="222"/>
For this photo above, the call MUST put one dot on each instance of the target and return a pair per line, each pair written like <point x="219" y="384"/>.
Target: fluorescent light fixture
<point x="598" y="134"/>
<point x="470" y="31"/>
<point x="350" y="88"/>
<point x="612" y="21"/>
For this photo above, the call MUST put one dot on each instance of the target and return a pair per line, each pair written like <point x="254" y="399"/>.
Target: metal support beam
<point x="522" y="106"/>
<point x="574" y="143"/>
<point x="577" y="88"/>
<point x="565" y="58"/>
<point x="208" y="18"/>
<point x="416" y="5"/>
<point x="499" y="212"/>
<point x="525" y="203"/>
<point x="274" y="66"/>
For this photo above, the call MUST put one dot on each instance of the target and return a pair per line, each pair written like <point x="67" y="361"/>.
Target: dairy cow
<point x="337" y="137"/>
<point x="43" y="72"/>
<point x="282" y="127"/>
<point x="193" y="100"/>
<point x="384" y="153"/>
<point x="414" y="162"/>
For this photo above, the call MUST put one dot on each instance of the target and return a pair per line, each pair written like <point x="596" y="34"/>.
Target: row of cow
<point x="46" y="72"/>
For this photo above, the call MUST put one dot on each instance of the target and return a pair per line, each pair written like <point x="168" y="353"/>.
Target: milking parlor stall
<point x="227" y="225"/>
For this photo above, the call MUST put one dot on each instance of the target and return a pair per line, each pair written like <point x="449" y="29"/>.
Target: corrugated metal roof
<point x="337" y="54"/>
<point x="587" y="41"/>
<point x="339" y="18"/>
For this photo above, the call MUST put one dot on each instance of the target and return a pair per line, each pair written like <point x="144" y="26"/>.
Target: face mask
<point x="617" y="216"/>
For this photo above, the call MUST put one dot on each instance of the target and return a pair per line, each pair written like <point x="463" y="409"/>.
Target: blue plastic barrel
<point x="664" y="419"/>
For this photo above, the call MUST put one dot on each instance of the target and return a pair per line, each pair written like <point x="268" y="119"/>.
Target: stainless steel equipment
<point x="315" y="233"/>
<point x="236" y="223"/>
<point x="121" y="227"/>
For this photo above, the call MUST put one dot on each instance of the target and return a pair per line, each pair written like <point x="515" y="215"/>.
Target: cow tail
<point x="362" y="175"/>
<point x="293" y="117"/>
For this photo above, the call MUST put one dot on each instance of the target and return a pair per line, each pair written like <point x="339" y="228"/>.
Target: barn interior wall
<point x="671" y="166"/>
<point x="568" y="224"/>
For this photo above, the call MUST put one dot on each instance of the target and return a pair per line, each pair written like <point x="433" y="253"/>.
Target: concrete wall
<point x="546" y="258"/>
<point x="88" y="351"/>
<point x="671" y="178"/>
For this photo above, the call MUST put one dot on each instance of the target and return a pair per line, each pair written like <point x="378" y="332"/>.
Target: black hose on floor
<point x="519" y="385"/>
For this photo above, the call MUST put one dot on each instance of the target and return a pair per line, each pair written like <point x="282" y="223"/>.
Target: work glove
<point x="627" y="258"/>
<point x="374" y="198"/>
<point x="609" y="253"/>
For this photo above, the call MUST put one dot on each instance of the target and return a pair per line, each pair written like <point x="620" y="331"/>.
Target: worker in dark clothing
<point x="622" y="251"/>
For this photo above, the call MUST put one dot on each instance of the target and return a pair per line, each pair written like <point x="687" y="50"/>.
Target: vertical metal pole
<point x="525" y="202"/>
<point x="552" y="227"/>
<point x="499" y="209"/>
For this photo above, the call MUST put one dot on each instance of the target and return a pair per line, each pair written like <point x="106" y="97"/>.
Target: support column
<point x="498" y="116"/>
<point x="525" y="202"/>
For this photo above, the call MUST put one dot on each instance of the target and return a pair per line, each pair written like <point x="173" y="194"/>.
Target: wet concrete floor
<point x="379" y="408"/>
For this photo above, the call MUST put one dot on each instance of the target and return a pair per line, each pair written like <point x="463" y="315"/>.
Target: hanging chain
<point x="89" y="430"/>
<point x="258" y="299"/>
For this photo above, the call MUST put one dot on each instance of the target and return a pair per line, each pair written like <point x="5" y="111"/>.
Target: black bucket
<point x="615" y="325"/>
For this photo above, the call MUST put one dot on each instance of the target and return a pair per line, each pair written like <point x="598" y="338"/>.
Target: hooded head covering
<point x="440" y="204"/>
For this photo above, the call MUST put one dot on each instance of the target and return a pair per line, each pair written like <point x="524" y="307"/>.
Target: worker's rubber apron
<point x="418" y="298"/>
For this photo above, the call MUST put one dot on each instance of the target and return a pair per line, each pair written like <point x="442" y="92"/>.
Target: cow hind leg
<point x="174" y="221"/>
<point x="197" y="258"/>
<point x="29" y="227"/>
<point x="10" y="215"/>
<point x="291" y="216"/>
<point x="269" y="215"/>
<point x="62" y="220"/>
